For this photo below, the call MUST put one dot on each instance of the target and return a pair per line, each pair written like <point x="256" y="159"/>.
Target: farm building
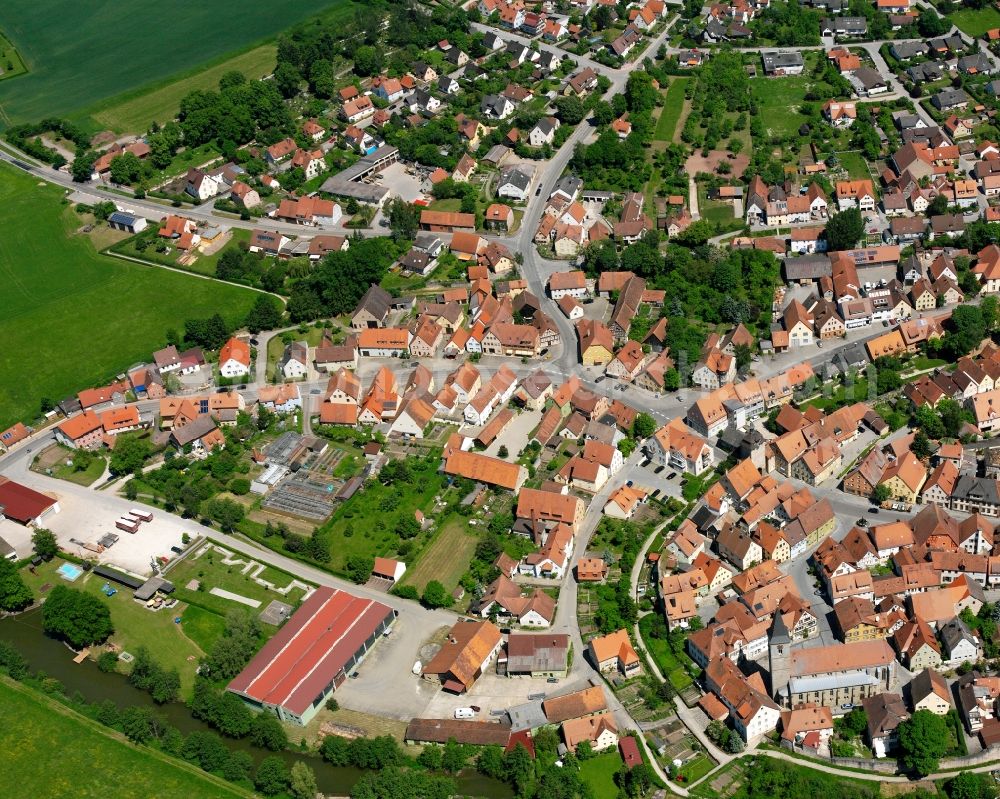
<point x="295" y="672"/>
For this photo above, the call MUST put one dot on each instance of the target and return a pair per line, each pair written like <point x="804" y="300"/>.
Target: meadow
<point x="975" y="22"/>
<point x="670" y="114"/>
<point x="53" y="751"/>
<point x="81" y="54"/>
<point x="779" y="100"/>
<point x="73" y="318"/>
<point x="447" y="558"/>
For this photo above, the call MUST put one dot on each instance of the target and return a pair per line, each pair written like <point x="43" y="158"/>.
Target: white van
<point x="464" y="713"/>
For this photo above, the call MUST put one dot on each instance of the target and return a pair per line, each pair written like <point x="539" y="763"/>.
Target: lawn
<point x="211" y="572"/>
<point x="670" y="113"/>
<point x="975" y="22"/>
<point x="365" y="524"/>
<point x="599" y="773"/>
<point x="84" y="478"/>
<point x="11" y="64"/>
<point x="447" y="558"/>
<point x="134" y="625"/>
<point x="53" y="751"/>
<point x="73" y="318"/>
<point x="202" y="626"/>
<point x="135" y="112"/>
<point x="80" y="55"/>
<point x="659" y="650"/>
<point x="855" y="165"/>
<point x="779" y="100"/>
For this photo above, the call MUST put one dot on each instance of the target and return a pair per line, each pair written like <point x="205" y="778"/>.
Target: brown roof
<point x="483" y="468"/>
<point x="575" y="705"/>
<point x="467" y="647"/>
<point x="477" y="733"/>
<point x="841" y="657"/>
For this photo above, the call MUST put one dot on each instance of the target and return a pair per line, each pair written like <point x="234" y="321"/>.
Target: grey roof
<point x="869" y="77"/>
<point x="976" y="489"/>
<point x="807" y="267"/>
<point x="192" y="431"/>
<point x="377" y="301"/>
<point x="954" y="632"/>
<point x="953" y="43"/>
<point x="6" y="550"/>
<point x="779" y="631"/>
<point x="149" y="588"/>
<point x="515" y="177"/>
<point x="546" y="125"/>
<point x="496" y="153"/>
<point x="929" y="70"/>
<point x="121" y="218"/>
<point x="778" y="60"/>
<point x="528" y="716"/>
<point x="569" y="185"/>
<point x="976" y="62"/>
<point x="949" y="98"/>
<point x="907" y="50"/>
<point x="845" y="25"/>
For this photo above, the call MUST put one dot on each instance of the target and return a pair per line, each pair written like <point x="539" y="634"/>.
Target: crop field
<point x="135" y="113"/>
<point x="79" y="55"/>
<point x="447" y="558"/>
<point x="53" y="751"/>
<point x="73" y="318"/>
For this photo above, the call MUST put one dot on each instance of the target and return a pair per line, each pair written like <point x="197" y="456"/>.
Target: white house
<point x="234" y="358"/>
<point x="295" y="361"/>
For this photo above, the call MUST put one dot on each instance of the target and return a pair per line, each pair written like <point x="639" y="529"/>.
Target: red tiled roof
<point x="295" y="666"/>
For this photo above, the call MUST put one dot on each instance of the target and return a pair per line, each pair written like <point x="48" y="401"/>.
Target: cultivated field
<point x="79" y="55"/>
<point x="73" y="318"/>
<point x="134" y="112"/>
<point x="50" y="746"/>
<point x="446" y="559"/>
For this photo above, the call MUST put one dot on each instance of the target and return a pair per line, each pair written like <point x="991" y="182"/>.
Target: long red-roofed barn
<point x="295" y="672"/>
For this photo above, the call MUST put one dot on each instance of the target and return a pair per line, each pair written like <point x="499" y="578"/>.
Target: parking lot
<point x="401" y="184"/>
<point x="86" y="516"/>
<point x="493" y="692"/>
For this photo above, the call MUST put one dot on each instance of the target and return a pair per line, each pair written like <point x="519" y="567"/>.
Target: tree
<point x="930" y="24"/>
<point x="603" y="113"/>
<point x="14" y="593"/>
<point x="272" y="776"/>
<point x="435" y="595"/>
<point x="264" y="315"/>
<point x="881" y="493"/>
<point x="503" y="452"/>
<point x="921" y="446"/>
<point x="302" y="784"/>
<point x="571" y="110"/>
<point x="267" y="732"/>
<point x="404" y="219"/>
<point x="453" y="757"/>
<point x="148" y="675"/>
<point x="969" y="785"/>
<point x="643" y="427"/>
<point x="844" y="229"/>
<point x="82" y="168"/>
<point x="79" y="618"/>
<point x="226" y="512"/>
<point x="237" y="766"/>
<point x="744" y="356"/>
<point x="129" y="454"/>
<point x="938" y="206"/>
<point x="139" y="724"/>
<point x="923" y="740"/>
<point x="359" y="568"/>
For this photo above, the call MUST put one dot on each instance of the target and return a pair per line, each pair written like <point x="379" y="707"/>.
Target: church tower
<point x="779" y="656"/>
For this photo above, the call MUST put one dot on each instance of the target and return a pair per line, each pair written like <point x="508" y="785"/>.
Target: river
<point x="47" y="655"/>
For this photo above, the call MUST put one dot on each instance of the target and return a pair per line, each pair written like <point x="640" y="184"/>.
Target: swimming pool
<point x="69" y="571"/>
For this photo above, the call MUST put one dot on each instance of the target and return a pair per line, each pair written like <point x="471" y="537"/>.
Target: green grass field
<point x="779" y="100"/>
<point x="50" y="750"/>
<point x="135" y="113"/>
<point x="668" y="663"/>
<point x="670" y="114"/>
<point x="134" y="625"/>
<point x="975" y="22"/>
<point x="855" y="165"/>
<point x="213" y="573"/>
<point x="80" y="55"/>
<point x="73" y="318"/>
<point x="599" y="773"/>
<point x="447" y="558"/>
<point x="11" y="64"/>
